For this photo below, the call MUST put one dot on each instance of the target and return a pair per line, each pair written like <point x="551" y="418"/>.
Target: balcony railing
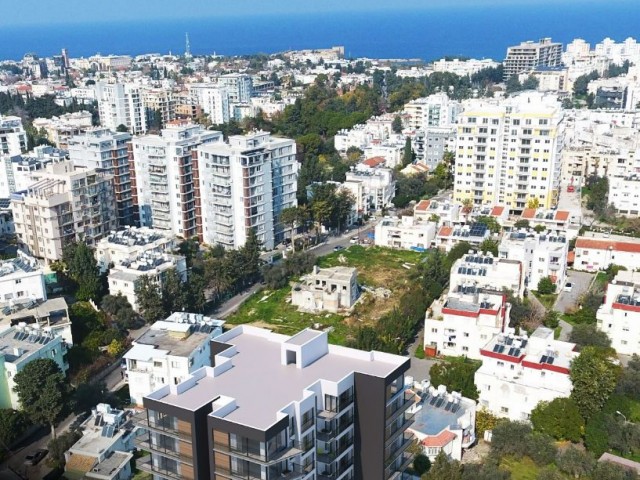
<point x="335" y="428"/>
<point x="143" y="421"/>
<point x="331" y="456"/>
<point x="398" y="406"/>
<point x="391" y="431"/>
<point x="146" y="465"/>
<point x="397" y="472"/>
<point x="278" y="455"/>
<point x="145" y="444"/>
<point x="340" y="470"/>
<point x="396" y="450"/>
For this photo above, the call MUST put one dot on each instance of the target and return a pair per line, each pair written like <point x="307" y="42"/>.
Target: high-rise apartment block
<point x="102" y="149"/>
<point x="121" y="104"/>
<point x="165" y="178"/>
<point x="508" y="153"/>
<point x="245" y="184"/>
<point x="239" y="86"/>
<point x="274" y="407"/>
<point x="159" y="106"/>
<point x="13" y="138"/>
<point x="69" y="204"/>
<point x="214" y="101"/>
<point x="529" y="55"/>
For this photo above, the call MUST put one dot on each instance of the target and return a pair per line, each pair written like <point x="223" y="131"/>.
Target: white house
<point x="129" y="244"/>
<point x="596" y="251"/>
<point x="519" y="372"/>
<point x="169" y="351"/>
<point x="406" y="233"/>
<point x="486" y="271"/>
<point x="619" y="316"/>
<point x="447" y="212"/>
<point x="624" y="194"/>
<point x="374" y="189"/>
<point x="542" y="255"/>
<point x="21" y="280"/>
<point x="474" y="234"/>
<point x="563" y="220"/>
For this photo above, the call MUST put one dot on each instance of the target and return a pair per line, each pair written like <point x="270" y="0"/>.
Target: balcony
<point x="407" y="440"/>
<point x="331" y="456"/>
<point x="145" y="465"/>
<point x="338" y="473"/>
<point x="256" y="456"/>
<point x="144" y="443"/>
<point x="143" y="421"/>
<point x="397" y="407"/>
<point x="334" y="430"/>
<point x="397" y="473"/>
<point x="391" y="433"/>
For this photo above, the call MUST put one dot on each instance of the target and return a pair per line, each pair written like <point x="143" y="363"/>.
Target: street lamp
<point x="622" y="415"/>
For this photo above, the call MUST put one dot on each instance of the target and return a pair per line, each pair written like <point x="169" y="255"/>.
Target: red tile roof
<point x="497" y="211"/>
<point x="571" y="257"/>
<point x="445" y="231"/>
<point x="443" y="438"/>
<point x="422" y="205"/>
<point x="374" y="161"/>
<point x="582" y="242"/>
<point x="529" y="213"/>
<point x="562" y="215"/>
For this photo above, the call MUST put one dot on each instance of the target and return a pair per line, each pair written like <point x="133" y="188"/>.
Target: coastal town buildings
<point x="596" y="251"/>
<point x="529" y="55"/>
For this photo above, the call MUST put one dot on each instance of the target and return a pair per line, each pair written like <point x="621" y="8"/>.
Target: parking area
<point x="581" y="282"/>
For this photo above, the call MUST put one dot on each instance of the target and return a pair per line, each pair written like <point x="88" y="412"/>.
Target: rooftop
<point x="440" y="410"/>
<point x="258" y="381"/>
<point x="134" y="237"/>
<point x="19" y="343"/>
<point x="171" y="338"/>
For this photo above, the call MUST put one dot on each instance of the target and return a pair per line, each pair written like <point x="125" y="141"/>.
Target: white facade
<point x="19" y="346"/>
<point x="238" y="85"/>
<point x="121" y="104"/>
<point x="245" y="184"/>
<point x="13" y="138"/>
<point x="528" y="55"/>
<point x="619" y="316"/>
<point x="519" y="372"/>
<point x="542" y="255"/>
<point x="169" y="351"/>
<point x="21" y="279"/>
<point x="373" y="189"/>
<point x="566" y="221"/>
<point x="167" y="187"/>
<point x="624" y="195"/>
<point x="447" y="213"/>
<point x="68" y="204"/>
<point x="486" y="271"/>
<point x="436" y="110"/>
<point x="405" y="233"/>
<point x="129" y="244"/>
<point x="21" y="171"/>
<point x="474" y="234"/>
<point x="596" y="251"/>
<point x="124" y="276"/>
<point x="213" y="100"/>
<point x="509" y="152"/>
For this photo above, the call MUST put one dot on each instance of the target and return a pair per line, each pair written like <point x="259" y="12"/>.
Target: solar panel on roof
<point x="496" y="347"/>
<point x="448" y="406"/>
<point x="501" y="349"/>
<point x="509" y="341"/>
<point x="550" y="360"/>
<point x="524" y="343"/>
<point x="516" y="353"/>
<point x="455" y="408"/>
<point x="433" y="401"/>
<point x="511" y="350"/>
<point x="440" y="402"/>
<point x="544" y="359"/>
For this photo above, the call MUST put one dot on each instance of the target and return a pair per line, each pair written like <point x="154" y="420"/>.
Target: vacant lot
<point x="377" y="268"/>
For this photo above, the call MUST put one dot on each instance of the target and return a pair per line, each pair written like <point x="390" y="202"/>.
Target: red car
<point x="571" y="189"/>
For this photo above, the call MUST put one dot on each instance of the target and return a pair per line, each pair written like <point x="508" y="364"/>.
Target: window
<point x="504" y="410"/>
<point x="434" y="330"/>
<point x="157" y="364"/>
<point x="501" y="364"/>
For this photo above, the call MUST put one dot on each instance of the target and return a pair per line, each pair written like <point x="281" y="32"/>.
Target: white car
<point x="568" y="287"/>
<point x="353" y="240"/>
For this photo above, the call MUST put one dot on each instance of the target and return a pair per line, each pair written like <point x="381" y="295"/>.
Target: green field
<point x="377" y="267"/>
<point x="522" y="469"/>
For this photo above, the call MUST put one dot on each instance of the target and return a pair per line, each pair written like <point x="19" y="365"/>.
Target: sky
<point x="98" y="11"/>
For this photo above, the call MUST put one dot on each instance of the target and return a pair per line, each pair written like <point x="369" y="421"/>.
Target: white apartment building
<point x="20" y="345"/>
<point x="542" y="255"/>
<point x="436" y="110"/>
<point x="449" y="236"/>
<point x="447" y="212"/>
<point x="373" y="189"/>
<point x="460" y="323"/>
<point x="124" y="276"/>
<point x="486" y="271"/>
<point x="499" y="213"/>
<point x="518" y="372"/>
<point x="131" y="243"/>
<point x="102" y="149"/>
<point x="238" y="85"/>
<point x="60" y="129"/>
<point x="214" y="101"/>
<point x="18" y="172"/>
<point x="509" y="152"/>
<point x="159" y="101"/>
<point x="169" y="351"/>
<point x="391" y="151"/>
<point x="165" y="178"/>
<point x="619" y="315"/>
<point x="529" y="55"/>
<point x="121" y="104"/>
<point x="562" y="220"/>
<point x="406" y="233"/>
<point x="244" y="185"/>
<point x="13" y="138"/>
<point x="21" y="280"/>
<point x="68" y="204"/>
<point x="103" y="451"/>
<point x="624" y="194"/>
<point x="463" y="68"/>
<point x="596" y="251"/>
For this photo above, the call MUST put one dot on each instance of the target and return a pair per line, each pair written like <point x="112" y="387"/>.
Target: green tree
<point x="82" y="268"/>
<point x="444" y="469"/>
<point x="88" y="395"/>
<point x="289" y="218"/>
<point x="546" y="286"/>
<point x="594" y="376"/>
<point x="509" y="438"/>
<point x="43" y="391"/>
<point x="485" y="421"/>
<point x="58" y="446"/>
<point x="149" y="298"/>
<point x="408" y="155"/>
<point x="457" y="376"/>
<point x="588" y="335"/>
<point x="611" y="471"/>
<point x="489" y="245"/>
<point x="575" y="462"/>
<point x="458" y="251"/>
<point x="174" y="292"/>
<point x="551" y="319"/>
<point x="491" y="223"/>
<point x="122" y="128"/>
<point x="559" y="418"/>
<point x="549" y="473"/>
<point x="421" y="464"/>
<point x="522" y="223"/>
<point x="13" y="424"/>
<point x="530" y="83"/>
<point x="629" y="382"/>
<point x="396" y="125"/>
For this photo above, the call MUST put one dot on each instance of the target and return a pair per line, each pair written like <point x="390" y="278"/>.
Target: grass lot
<point x="523" y="469"/>
<point x="377" y="267"/>
<point x="556" y="332"/>
<point x="548" y="300"/>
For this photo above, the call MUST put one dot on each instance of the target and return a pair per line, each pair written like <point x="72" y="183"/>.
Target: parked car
<point x="571" y="189"/>
<point x="35" y="457"/>
<point x="353" y="240"/>
<point x="337" y="248"/>
<point x="568" y="287"/>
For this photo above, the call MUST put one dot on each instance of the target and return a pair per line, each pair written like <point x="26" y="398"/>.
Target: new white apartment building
<point x="169" y="351"/>
<point x="624" y="194"/>
<point x="102" y="149"/>
<point x="619" y="316"/>
<point x="13" y="138"/>
<point x="131" y="243"/>
<point x="238" y="85"/>
<point x="436" y="110"/>
<point x="542" y="255"/>
<point x="486" y="271"/>
<point x="509" y="152"/>
<point x="18" y="172"/>
<point x="596" y="251"/>
<point x="529" y="55"/>
<point x="60" y="129"/>
<point x="20" y="345"/>
<point x="21" y="280"/>
<point x="406" y="233"/>
<point x="214" y="101"/>
<point x="519" y="372"/>
<point x="460" y="323"/>
<point x="165" y="178"/>
<point x="245" y="184"/>
<point x="274" y="406"/>
<point x="373" y="189"/>
<point x="69" y="204"/>
<point x="121" y="104"/>
<point x="124" y="276"/>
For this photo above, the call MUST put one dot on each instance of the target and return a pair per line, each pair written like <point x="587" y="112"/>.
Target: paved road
<point x="581" y="282"/>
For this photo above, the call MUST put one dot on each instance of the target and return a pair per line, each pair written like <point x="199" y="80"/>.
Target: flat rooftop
<point x="115" y="461"/>
<point x="439" y="412"/>
<point x="262" y="386"/>
<point x="173" y="340"/>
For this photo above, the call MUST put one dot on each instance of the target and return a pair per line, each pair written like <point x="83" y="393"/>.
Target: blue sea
<point x="427" y="33"/>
